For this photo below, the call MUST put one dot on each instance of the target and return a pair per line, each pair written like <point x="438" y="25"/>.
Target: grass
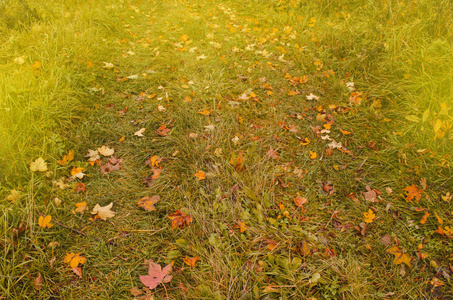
<point x="204" y="55"/>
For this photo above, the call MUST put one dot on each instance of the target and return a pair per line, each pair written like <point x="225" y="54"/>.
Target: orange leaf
<point x="312" y="154"/>
<point x="200" y="175"/>
<point x="400" y="257"/>
<point x="205" y="112"/>
<point x="369" y="216"/>
<point x="413" y="192"/>
<point x="81" y="207"/>
<point x="44" y="222"/>
<point x="191" y="261"/>
<point x="180" y="219"/>
<point x="300" y="201"/>
<point x="66" y="158"/>
<point x="424" y="218"/>
<point x="163" y="130"/>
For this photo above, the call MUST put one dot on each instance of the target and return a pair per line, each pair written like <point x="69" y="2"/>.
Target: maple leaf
<point x="400" y="256"/>
<point x="66" y="158"/>
<point x="304" y="141"/>
<point x="312" y="97"/>
<point x="370" y="194"/>
<point x="413" y="192"/>
<point x="81" y="207"/>
<point x="163" y="130"/>
<point x="112" y="165"/>
<point x="74" y="259"/>
<point x="205" y="112"/>
<point x="191" y="261"/>
<point x="200" y="175"/>
<point x="106" y="151"/>
<point x="355" y="98"/>
<point x="300" y="201"/>
<point x="156" y="275"/>
<point x="14" y="196"/>
<point x="272" y="153"/>
<point x="39" y="165"/>
<point x="153" y="161"/>
<point x="103" y="212"/>
<point x="241" y="226"/>
<point x="77" y="172"/>
<point x="44" y="222"/>
<point x="312" y="154"/>
<point x="147" y="203"/>
<point x="80" y="187"/>
<point x="369" y="216"/>
<point x="180" y="219"/>
<point x="93" y="155"/>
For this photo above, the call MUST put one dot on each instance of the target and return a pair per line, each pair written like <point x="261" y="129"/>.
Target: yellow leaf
<point x="81" y="207"/>
<point x="304" y="248"/>
<point x="312" y="154"/>
<point x="74" y="259"/>
<point x="39" y="165"/>
<point x="200" y="175"/>
<point x="44" y="222"/>
<point x="369" y="216"/>
<point x="205" y="112"/>
<point x="400" y="257"/>
<point x="439" y="219"/>
<point x="77" y="172"/>
<point x="345" y="132"/>
<point x="305" y="142"/>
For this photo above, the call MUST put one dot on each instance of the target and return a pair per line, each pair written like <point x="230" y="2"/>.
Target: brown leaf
<point x="80" y="187"/>
<point x="37" y="282"/>
<point x="304" y="248"/>
<point x="135" y="291"/>
<point x="300" y="201"/>
<point x="386" y="240"/>
<point x="147" y="203"/>
<point x="413" y="192"/>
<point x="180" y="219"/>
<point x="163" y="130"/>
<point x="370" y="195"/>
<point x="272" y="153"/>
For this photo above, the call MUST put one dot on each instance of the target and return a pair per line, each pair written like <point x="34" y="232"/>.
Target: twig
<point x="140" y="230"/>
<point x="65" y="226"/>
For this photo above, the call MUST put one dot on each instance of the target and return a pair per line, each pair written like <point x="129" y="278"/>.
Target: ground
<point x="260" y="149"/>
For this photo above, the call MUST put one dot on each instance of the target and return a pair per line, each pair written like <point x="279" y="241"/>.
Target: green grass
<point x="397" y="53"/>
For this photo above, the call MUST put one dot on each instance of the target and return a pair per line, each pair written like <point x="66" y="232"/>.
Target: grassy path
<point x="291" y="175"/>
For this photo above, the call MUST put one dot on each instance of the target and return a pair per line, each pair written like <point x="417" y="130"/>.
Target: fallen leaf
<point x="44" y="222"/>
<point x="355" y="98"/>
<point x="300" y="201"/>
<point x="92" y="155"/>
<point x="77" y="172"/>
<point x="241" y="226"/>
<point x="103" y="212"/>
<point x="200" y="175"/>
<point x="272" y="153"/>
<point x="370" y="195"/>
<point x="163" y="130"/>
<point x="400" y="256"/>
<point x="113" y="164"/>
<point x="205" y="112"/>
<point x="80" y="187"/>
<point x="312" y="97"/>
<point x="304" y="248"/>
<point x="386" y="240"/>
<point x="413" y="192"/>
<point x="135" y="291"/>
<point x="74" y="259"/>
<point x="191" y="261"/>
<point x="66" y="158"/>
<point x="180" y="219"/>
<point x="425" y="218"/>
<point x="156" y="275"/>
<point x="153" y="161"/>
<point x="369" y="216"/>
<point x="147" y="203"/>
<point x="312" y="154"/>
<point x="37" y="282"/>
<point x="106" y="151"/>
<point x="39" y="165"/>
<point x="81" y="207"/>
<point x="140" y="132"/>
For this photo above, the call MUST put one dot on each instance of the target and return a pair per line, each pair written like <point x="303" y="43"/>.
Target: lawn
<point x="255" y="149"/>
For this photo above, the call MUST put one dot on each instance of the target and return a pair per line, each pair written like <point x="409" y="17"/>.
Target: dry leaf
<point x="272" y="153"/>
<point x="103" y="212"/>
<point x="163" y="130"/>
<point x="180" y="219"/>
<point x="425" y="218"/>
<point x="66" y="158"/>
<point x="93" y="155"/>
<point x="140" y="132"/>
<point x="400" y="256"/>
<point x="191" y="261"/>
<point x="39" y="165"/>
<point x="156" y="275"/>
<point x="300" y="201"/>
<point x="81" y="207"/>
<point x="312" y="154"/>
<point x="147" y="203"/>
<point x="74" y="259"/>
<point x="37" y="282"/>
<point x="105" y="151"/>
